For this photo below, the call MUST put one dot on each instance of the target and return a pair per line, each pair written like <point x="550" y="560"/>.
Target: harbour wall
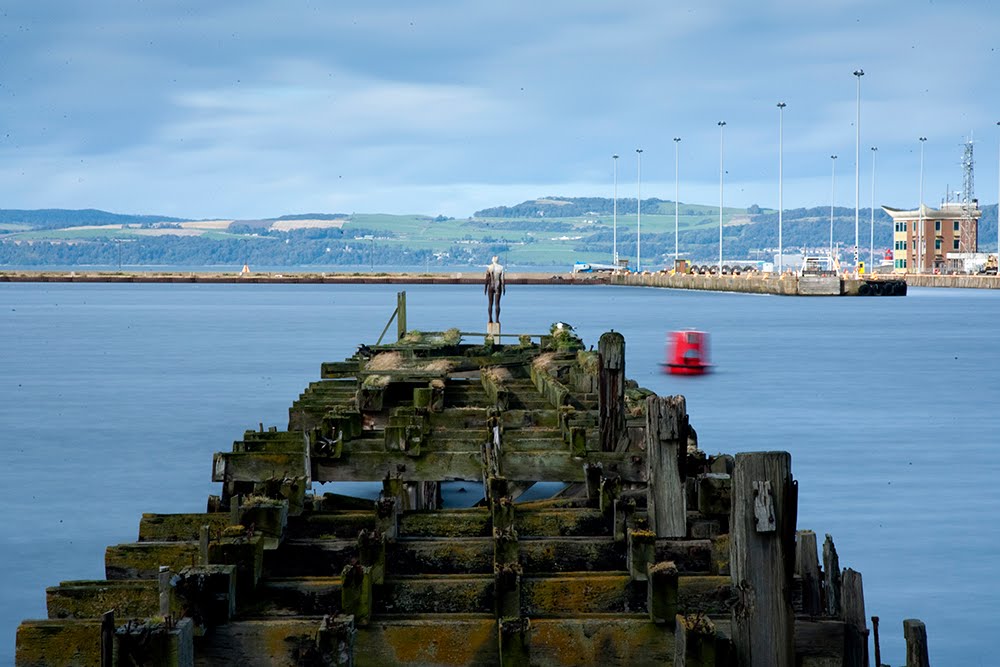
<point x="786" y="284"/>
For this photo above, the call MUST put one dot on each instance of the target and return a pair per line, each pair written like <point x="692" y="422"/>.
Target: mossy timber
<point x="652" y="552"/>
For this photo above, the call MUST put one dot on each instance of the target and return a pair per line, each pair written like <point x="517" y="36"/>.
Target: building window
<point x="913" y="245"/>
<point x="956" y="225"/>
<point x="937" y="225"/>
<point x="900" y="263"/>
<point x="954" y="244"/>
<point x="937" y="244"/>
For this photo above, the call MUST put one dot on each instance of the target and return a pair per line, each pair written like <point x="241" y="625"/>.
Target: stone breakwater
<point x="472" y="277"/>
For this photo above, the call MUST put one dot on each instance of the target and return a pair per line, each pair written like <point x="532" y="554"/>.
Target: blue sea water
<point x="114" y="397"/>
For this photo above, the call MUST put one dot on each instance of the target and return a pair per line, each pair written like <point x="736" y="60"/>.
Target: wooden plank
<point x="832" y="577"/>
<point x="666" y="449"/>
<point x="807" y="568"/>
<point x="439" y="466"/>
<point x="611" y="397"/>
<point x="257" y="466"/>
<point x="856" y="639"/>
<point x="915" y="634"/>
<point x="763" y="622"/>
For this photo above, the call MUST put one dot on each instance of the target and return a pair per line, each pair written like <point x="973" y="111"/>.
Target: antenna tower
<point x="967" y="235"/>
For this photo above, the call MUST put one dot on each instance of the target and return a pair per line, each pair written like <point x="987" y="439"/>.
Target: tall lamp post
<point x="781" y="108"/>
<point x="677" y="145"/>
<point x="858" y="73"/>
<point x="722" y="126"/>
<point x="614" y="215"/>
<point x="833" y="196"/>
<point x="638" y="210"/>
<point x="998" y="216"/>
<point x="871" y="240"/>
<point x="920" y="213"/>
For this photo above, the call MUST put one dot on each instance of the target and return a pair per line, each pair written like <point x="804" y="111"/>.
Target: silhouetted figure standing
<point x="494" y="288"/>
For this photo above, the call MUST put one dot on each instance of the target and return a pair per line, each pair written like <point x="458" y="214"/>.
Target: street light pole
<point x="833" y="197"/>
<point x="781" y="207"/>
<point x="857" y="170"/>
<point x="638" y="210"/>
<point x="677" y="144"/>
<point x="871" y="240"/>
<point x="614" y="218"/>
<point x="919" y="258"/>
<point x="722" y="126"/>
<point x="998" y="217"/>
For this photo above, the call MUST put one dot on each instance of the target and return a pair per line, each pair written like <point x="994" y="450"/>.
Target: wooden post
<point x="878" y="648"/>
<point x="915" y="633"/>
<point x="371" y="553"/>
<point x="611" y="488"/>
<point x="611" y="397"/>
<point x="593" y="472"/>
<point x="356" y="592"/>
<point x="108" y="639"/>
<point x="694" y="641"/>
<point x="762" y="618"/>
<point x="666" y="450"/>
<point x="506" y="551"/>
<point x="623" y="519"/>
<point x="335" y="641"/>
<point x="513" y="640"/>
<point x="807" y="567"/>
<point x="640" y="553"/>
<point x="855" y="630"/>
<point x="387" y="516"/>
<point x="164" y="587"/>
<point x="393" y="487"/>
<point x="400" y="314"/>
<point x="661" y="593"/>
<point x="203" y="538"/>
<point x="831" y="577"/>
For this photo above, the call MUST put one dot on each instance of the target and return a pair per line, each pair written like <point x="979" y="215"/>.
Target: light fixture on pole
<point x="857" y="169"/>
<point x="677" y="144"/>
<point x="998" y="216"/>
<point x="614" y="215"/>
<point x="638" y="210"/>
<point x="919" y="259"/>
<point x="781" y="108"/>
<point x="833" y="196"/>
<point x="871" y="240"/>
<point x="722" y="126"/>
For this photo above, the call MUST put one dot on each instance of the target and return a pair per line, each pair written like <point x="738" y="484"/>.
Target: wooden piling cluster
<point x="652" y="553"/>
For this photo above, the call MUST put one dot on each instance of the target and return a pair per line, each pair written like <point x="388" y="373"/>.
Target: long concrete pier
<point x="753" y="283"/>
<point x="471" y="277"/>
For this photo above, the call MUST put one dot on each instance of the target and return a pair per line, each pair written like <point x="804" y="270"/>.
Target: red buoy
<point x="687" y="353"/>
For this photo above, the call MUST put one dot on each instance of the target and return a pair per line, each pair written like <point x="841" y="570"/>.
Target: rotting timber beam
<point x="761" y="558"/>
<point x="556" y="466"/>
<point x="611" y="396"/>
<point x="666" y="450"/>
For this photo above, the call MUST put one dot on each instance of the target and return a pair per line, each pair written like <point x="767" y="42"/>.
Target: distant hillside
<point x="549" y="232"/>
<point x="56" y="218"/>
<point x="573" y="207"/>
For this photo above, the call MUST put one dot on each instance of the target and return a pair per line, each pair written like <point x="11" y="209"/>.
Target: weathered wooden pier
<point x="653" y="552"/>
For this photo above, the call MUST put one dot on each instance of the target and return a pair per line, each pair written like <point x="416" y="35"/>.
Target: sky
<point x="257" y="109"/>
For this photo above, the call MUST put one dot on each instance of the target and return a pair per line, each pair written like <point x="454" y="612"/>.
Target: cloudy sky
<point x="252" y="109"/>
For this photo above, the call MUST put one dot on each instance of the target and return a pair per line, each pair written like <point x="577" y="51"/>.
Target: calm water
<point x="113" y="398"/>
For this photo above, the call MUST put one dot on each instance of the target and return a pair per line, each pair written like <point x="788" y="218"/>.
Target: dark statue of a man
<point x="494" y="288"/>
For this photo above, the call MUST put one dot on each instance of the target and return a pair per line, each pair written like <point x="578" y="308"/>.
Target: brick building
<point x="949" y="229"/>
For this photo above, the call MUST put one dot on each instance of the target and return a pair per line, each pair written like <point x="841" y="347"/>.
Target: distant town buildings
<point x="924" y="237"/>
